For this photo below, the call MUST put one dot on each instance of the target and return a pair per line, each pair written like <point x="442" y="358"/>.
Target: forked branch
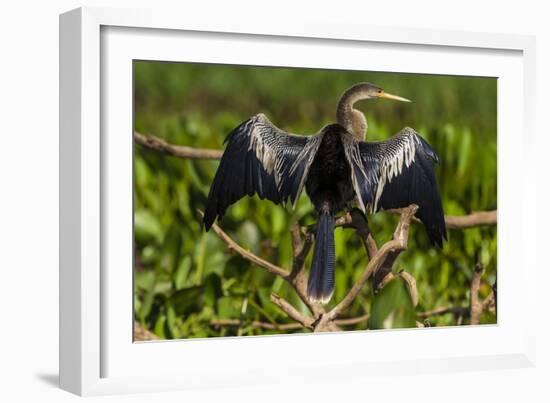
<point x="320" y="320"/>
<point x="396" y="245"/>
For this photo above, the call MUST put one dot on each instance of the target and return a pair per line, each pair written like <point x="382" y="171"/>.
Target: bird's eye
<point x="379" y="91"/>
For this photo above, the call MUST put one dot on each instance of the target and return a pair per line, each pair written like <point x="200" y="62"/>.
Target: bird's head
<point x="371" y="91"/>
<point x="352" y="119"/>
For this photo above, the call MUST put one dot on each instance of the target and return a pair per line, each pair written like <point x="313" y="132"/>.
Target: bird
<point x="338" y="168"/>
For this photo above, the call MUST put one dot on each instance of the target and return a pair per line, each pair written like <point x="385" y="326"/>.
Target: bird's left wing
<point x="396" y="173"/>
<point x="260" y="158"/>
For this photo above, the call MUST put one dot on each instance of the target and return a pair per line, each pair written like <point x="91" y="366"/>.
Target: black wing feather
<point x="259" y="158"/>
<point x="399" y="172"/>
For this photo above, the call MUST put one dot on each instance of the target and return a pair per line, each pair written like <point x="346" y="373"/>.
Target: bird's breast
<point x="329" y="179"/>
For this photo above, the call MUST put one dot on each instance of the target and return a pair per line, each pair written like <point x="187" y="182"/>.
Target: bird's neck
<point x="351" y="119"/>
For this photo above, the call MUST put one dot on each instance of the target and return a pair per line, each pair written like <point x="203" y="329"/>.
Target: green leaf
<point x="392" y="307"/>
<point x="187" y="299"/>
<point x="147" y="227"/>
<point x="212" y="289"/>
<point x="464" y="152"/>
<point x="182" y="273"/>
<point x="228" y="308"/>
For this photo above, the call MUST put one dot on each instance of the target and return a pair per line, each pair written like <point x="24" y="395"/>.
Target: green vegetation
<point x="184" y="277"/>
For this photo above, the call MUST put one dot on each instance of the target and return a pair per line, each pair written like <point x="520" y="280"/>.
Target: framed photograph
<point x="241" y="200"/>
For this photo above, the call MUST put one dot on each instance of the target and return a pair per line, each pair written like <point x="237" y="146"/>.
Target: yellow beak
<point x="391" y="96"/>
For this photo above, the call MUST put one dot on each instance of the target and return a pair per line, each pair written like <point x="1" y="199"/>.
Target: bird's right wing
<point x="396" y="173"/>
<point x="260" y="158"/>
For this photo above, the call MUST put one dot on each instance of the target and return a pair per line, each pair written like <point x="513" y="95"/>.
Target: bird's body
<point x="328" y="184"/>
<point x="330" y="189"/>
<point x="335" y="166"/>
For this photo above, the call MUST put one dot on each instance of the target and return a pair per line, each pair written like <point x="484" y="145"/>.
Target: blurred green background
<point x="184" y="277"/>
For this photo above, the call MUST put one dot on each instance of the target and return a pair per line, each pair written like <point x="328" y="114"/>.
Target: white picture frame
<point x="96" y="355"/>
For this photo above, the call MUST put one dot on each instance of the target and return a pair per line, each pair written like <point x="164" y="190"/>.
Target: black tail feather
<point x="321" y="276"/>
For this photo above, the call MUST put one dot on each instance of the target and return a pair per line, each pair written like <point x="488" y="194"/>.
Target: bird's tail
<point x="321" y="276"/>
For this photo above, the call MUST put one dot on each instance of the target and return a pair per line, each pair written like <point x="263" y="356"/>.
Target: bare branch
<point x="361" y="226"/>
<point x="257" y="324"/>
<point x="455" y="310"/>
<point x="141" y="334"/>
<point x="283" y="326"/>
<point x="475" y="219"/>
<point x="411" y="286"/>
<point x="158" y="144"/>
<point x="476" y="306"/>
<point x="387" y="278"/>
<point x="233" y="246"/>
<point x="300" y="249"/>
<point x="398" y="243"/>
<point x="292" y="312"/>
<point x="371" y="246"/>
<point x="296" y="239"/>
<point x="296" y="277"/>
<point x="489" y="303"/>
<point x="495" y="299"/>
<point x="352" y="321"/>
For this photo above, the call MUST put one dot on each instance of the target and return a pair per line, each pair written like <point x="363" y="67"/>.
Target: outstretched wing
<point x="399" y="172"/>
<point x="260" y="158"/>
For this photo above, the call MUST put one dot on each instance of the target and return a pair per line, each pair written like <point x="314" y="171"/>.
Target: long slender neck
<point x="353" y="120"/>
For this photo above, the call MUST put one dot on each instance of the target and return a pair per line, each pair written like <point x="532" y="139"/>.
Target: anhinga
<point x="336" y="166"/>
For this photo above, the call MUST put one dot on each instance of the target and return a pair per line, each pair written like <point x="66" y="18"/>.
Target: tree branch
<point x="283" y="326"/>
<point x="233" y="246"/>
<point x="360" y="224"/>
<point x="256" y="324"/>
<point x="410" y="281"/>
<point x="158" y="144"/>
<point x="475" y="219"/>
<point x="292" y="312"/>
<point x="476" y="306"/>
<point x="455" y="310"/>
<point x="141" y="334"/>
<point x="296" y="278"/>
<point x="397" y="244"/>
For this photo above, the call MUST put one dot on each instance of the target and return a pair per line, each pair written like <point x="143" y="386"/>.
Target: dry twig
<point x="455" y="310"/>
<point x="292" y="312"/>
<point x="141" y="334"/>
<point x="475" y="219"/>
<point x="476" y="306"/>
<point x="158" y="144"/>
<point x="396" y="245"/>
<point x="283" y="326"/>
